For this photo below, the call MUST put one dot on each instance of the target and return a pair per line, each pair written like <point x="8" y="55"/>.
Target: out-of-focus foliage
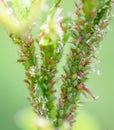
<point x="27" y="120"/>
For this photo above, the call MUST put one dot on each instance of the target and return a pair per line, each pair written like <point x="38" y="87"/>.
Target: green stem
<point x="78" y="61"/>
<point x="29" y="59"/>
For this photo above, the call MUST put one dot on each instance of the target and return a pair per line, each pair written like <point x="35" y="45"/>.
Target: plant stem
<point x="86" y="34"/>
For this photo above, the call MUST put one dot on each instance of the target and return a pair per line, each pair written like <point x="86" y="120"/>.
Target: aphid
<point x="53" y="91"/>
<point x="85" y="63"/>
<point x="20" y="60"/>
<point x="27" y="55"/>
<point x="26" y="81"/>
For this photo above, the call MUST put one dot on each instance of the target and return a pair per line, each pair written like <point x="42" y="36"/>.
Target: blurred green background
<point x="13" y="91"/>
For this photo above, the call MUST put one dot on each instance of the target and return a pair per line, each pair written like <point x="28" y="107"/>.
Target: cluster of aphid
<point x="82" y="34"/>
